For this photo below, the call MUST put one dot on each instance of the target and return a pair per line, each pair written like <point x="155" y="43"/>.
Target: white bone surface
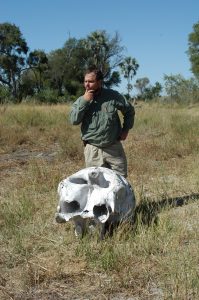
<point x="96" y="192"/>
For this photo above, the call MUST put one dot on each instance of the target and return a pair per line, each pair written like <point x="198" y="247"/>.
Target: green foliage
<point x="38" y="63"/>
<point x="193" y="49"/>
<point x="13" y="49"/>
<point x="66" y="67"/>
<point x="4" y="94"/>
<point x="48" y="96"/>
<point x="180" y="89"/>
<point x="28" y="85"/>
<point x="114" y="80"/>
<point x="152" y="92"/>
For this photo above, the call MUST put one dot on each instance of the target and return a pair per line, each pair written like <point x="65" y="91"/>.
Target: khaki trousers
<point x="111" y="157"/>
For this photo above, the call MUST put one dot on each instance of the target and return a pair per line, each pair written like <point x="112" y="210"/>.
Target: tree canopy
<point x="13" y="50"/>
<point x="193" y="50"/>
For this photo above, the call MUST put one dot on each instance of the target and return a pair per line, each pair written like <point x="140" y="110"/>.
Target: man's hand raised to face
<point x="88" y="95"/>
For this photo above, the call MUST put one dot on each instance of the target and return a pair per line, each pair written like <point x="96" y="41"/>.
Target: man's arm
<point x="128" y="113"/>
<point x="129" y="116"/>
<point x="79" y="107"/>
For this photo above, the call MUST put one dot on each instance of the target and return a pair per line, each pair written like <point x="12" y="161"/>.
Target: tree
<point x="28" y="84"/>
<point x="193" y="50"/>
<point x="13" y="50"/>
<point x="146" y="90"/>
<point x="66" y="67"/>
<point x="180" y="89"/>
<point x="55" y="74"/>
<point x="156" y="89"/>
<point x="129" y="68"/>
<point x="38" y="63"/>
<point x="172" y="85"/>
<point x="114" y="79"/>
<point x="152" y="92"/>
<point x="141" y="85"/>
<point x="105" y="53"/>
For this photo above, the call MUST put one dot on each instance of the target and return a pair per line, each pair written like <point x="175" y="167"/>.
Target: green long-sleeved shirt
<point x="99" y="119"/>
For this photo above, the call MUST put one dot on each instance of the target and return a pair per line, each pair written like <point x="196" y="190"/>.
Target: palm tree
<point x="129" y="68"/>
<point x="105" y="52"/>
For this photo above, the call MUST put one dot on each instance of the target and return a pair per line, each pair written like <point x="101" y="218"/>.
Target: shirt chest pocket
<point x="109" y="107"/>
<point x="109" y="112"/>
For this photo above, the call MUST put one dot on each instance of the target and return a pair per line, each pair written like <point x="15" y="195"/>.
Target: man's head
<point x="93" y="79"/>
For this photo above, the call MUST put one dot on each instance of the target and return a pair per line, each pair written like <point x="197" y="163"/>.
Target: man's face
<point x="91" y="83"/>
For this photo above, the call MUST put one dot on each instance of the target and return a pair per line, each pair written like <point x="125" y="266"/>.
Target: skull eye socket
<point x="70" y="207"/>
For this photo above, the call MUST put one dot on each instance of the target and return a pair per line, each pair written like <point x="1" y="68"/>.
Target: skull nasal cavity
<point x="99" y="210"/>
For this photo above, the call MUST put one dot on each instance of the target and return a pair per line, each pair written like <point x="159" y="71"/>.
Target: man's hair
<point x="93" y="69"/>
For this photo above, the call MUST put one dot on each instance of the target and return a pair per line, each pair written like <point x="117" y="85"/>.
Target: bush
<point x="4" y="94"/>
<point x="47" y="96"/>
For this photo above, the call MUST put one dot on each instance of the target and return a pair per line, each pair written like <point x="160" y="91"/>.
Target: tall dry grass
<point x="157" y="258"/>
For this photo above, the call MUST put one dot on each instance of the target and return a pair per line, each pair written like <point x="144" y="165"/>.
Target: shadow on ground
<point x="147" y="211"/>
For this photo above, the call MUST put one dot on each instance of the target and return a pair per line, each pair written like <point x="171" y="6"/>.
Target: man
<point x="101" y="130"/>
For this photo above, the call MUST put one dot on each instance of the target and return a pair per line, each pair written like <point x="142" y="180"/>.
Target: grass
<point x="157" y="258"/>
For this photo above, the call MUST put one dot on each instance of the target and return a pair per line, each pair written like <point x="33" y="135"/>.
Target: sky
<point x="154" y="32"/>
